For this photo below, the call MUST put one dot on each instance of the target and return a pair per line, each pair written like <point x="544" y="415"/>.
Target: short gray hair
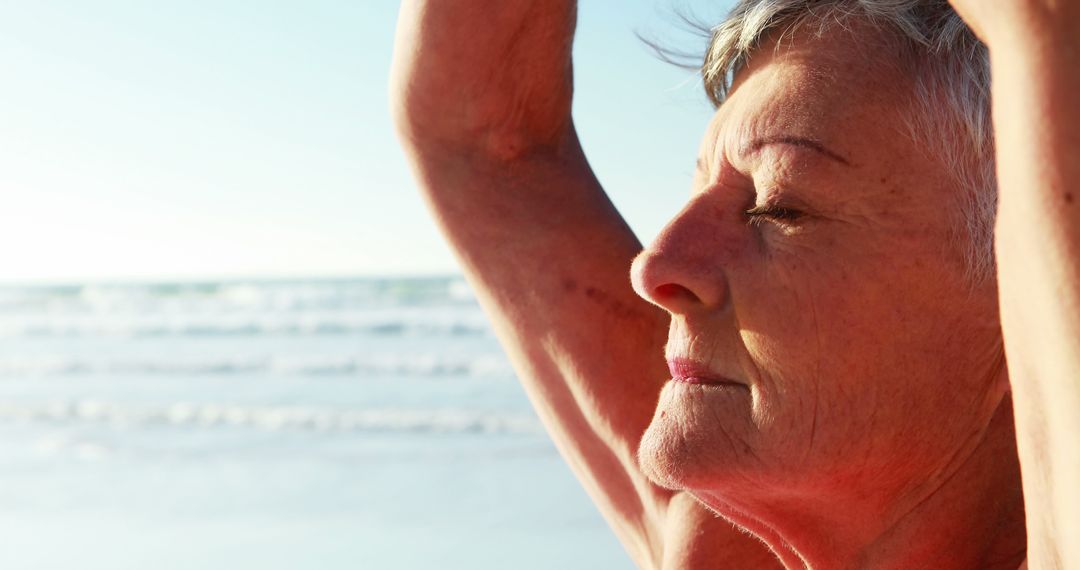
<point x="950" y="69"/>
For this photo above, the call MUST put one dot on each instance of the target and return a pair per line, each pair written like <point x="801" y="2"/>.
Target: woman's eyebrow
<point x="758" y="144"/>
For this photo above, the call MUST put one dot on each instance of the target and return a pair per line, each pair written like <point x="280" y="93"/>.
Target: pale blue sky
<point x="228" y="138"/>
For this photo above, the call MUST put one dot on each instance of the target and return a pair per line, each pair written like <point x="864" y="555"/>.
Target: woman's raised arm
<point x="1035" y="58"/>
<point x="481" y="94"/>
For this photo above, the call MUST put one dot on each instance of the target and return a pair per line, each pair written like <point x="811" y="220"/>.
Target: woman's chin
<point x="696" y="435"/>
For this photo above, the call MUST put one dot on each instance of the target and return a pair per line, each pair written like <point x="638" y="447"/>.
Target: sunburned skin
<point x="861" y="410"/>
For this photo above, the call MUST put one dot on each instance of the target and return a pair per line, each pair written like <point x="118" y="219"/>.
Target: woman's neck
<point x="970" y="516"/>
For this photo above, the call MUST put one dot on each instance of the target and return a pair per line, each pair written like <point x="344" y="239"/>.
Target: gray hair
<point x="950" y="69"/>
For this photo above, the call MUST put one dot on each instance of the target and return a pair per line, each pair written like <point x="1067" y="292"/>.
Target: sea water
<point x="361" y="424"/>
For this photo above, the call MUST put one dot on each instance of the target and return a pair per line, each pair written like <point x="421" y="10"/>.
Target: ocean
<point x="324" y="424"/>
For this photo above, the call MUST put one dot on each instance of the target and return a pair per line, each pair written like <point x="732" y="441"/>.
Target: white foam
<point x="166" y="325"/>
<point x="483" y="365"/>
<point x="270" y="418"/>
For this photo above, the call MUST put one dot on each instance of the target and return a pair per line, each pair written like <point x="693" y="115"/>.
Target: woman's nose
<point x="684" y="269"/>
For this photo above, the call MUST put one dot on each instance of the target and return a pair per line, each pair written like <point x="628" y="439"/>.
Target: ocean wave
<point x="300" y="295"/>
<point x="464" y="325"/>
<point x="484" y="365"/>
<point x="268" y="418"/>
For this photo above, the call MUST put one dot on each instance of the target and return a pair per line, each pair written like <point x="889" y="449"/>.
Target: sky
<point x="239" y="139"/>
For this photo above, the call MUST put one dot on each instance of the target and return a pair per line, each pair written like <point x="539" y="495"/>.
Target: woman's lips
<point x="705" y="381"/>
<point x="692" y="372"/>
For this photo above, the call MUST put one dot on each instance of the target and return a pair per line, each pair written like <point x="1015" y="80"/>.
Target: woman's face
<point x="834" y="341"/>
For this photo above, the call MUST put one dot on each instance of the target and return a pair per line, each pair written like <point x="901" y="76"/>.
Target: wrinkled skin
<point x="869" y="370"/>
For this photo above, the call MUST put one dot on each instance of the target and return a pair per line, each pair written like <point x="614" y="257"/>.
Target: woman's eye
<point x="773" y="213"/>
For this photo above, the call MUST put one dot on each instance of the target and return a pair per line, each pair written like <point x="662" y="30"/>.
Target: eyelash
<point x="784" y="216"/>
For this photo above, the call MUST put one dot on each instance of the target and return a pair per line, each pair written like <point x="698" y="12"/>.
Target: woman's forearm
<point x="1036" y="70"/>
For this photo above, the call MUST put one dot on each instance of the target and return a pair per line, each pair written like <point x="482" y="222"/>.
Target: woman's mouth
<point x="690" y="371"/>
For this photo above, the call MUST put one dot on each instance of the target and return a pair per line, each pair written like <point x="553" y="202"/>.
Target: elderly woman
<point x="871" y="338"/>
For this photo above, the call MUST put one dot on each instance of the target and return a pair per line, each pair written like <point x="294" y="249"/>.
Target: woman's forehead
<point x="821" y="89"/>
<point x="842" y="124"/>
